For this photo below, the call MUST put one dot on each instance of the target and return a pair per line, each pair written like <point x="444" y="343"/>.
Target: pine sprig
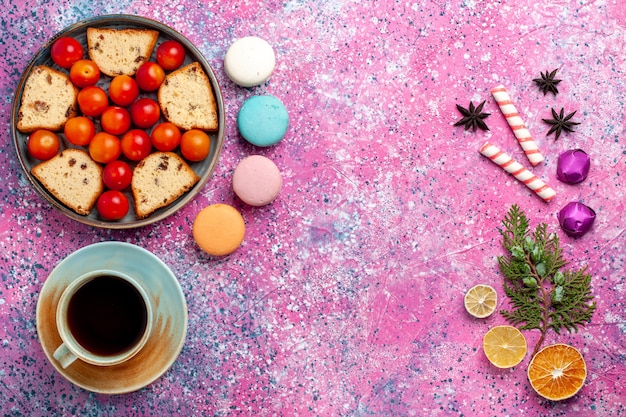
<point x="515" y="227"/>
<point x="576" y="293"/>
<point x="543" y="295"/>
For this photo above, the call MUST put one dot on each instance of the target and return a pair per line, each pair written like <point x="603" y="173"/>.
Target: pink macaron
<point x="257" y="180"/>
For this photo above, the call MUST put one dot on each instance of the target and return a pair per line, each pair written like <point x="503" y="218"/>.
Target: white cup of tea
<point x="104" y="318"/>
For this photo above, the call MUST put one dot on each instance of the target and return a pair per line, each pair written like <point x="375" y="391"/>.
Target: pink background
<point x="346" y="297"/>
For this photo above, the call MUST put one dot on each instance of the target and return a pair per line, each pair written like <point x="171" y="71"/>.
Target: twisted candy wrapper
<point x="576" y="219"/>
<point x="573" y="166"/>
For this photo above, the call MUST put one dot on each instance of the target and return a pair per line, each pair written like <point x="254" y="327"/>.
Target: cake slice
<point x="158" y="180"/>
<point x="73" y="178"/>
<point x="120" y="51"/>
<point x="48" y="100"/>
<point x="186" y="99"/>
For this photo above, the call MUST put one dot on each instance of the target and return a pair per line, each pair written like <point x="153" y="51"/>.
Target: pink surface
<point x="346" y="295"/>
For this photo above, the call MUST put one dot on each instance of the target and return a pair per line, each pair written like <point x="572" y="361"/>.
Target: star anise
<point x="472" y="117"/>
<point x="547" y="82"/>
<point x="560" y="123"/>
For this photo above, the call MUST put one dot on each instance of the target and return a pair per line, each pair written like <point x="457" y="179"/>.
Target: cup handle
<point x="64" y="356"/>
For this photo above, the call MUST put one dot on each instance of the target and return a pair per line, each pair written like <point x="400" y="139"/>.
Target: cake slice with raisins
<point x="73" y="178"/>
<point x="48" y="100"/>
<point x="186" y="99"/>
<point x="120" y="51"/>
<point x="158" y="180"/>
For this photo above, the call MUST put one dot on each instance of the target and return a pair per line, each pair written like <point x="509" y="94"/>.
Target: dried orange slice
<point x="481" y="300"/>
<point x="557" y="372"/>
<point x="504" y="346"/>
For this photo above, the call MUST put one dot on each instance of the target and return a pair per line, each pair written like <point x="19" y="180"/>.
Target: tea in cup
<point x="104" y="318"/>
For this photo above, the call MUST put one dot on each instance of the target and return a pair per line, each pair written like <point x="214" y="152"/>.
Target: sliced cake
<point x="48" y="100"/>
<point x="158" y="180"/>
<point x="73" y="178"/>
<point x="120" y="51"/>
<point x="186" y="99"/>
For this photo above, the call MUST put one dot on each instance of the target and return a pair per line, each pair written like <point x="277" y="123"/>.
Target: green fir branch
<point x="543" y="295"/>
<point x="577" y="306"/>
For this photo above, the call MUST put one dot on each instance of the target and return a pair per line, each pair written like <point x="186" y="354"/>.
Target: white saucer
<point x="170" y="325"/>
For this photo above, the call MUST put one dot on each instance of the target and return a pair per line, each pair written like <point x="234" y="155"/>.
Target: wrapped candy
<point x="576" y="219"/>
<point x="573" y="166"/>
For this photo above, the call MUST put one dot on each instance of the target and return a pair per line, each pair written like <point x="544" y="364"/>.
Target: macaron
<point x="263" y="120"/>
<point x="257" y="180"/>
<point x="219" y="229"/>
<point x="249" y="61"/>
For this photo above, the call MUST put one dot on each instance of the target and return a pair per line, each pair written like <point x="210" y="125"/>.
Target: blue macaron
<point x="263" y="120"/>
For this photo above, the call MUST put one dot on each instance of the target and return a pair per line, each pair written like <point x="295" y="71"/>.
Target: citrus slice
<point x="557" y="372"/>
<point x="504" y="346"/>
<point x="481" y="300"/>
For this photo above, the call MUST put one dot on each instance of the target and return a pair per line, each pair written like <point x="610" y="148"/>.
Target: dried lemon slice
<point x="481" y="300"/>
<point x="504" y="346"/>
<point x="557" y="372"/>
